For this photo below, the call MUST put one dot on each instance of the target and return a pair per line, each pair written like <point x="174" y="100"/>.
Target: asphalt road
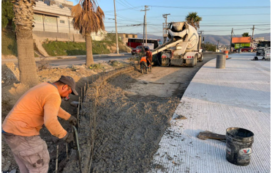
<point x="168" y="81"/>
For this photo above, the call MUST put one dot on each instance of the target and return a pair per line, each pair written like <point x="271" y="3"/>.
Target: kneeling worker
<point x="143" y="62"/>
<point x="39" y="105"/>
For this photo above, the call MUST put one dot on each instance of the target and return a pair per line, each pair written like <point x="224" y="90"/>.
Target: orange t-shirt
<point x="143" y="59"/>
<point x="39" y="105"/>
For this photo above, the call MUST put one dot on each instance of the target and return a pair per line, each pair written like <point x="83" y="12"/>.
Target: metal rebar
<point x="78" y="149"/>
<point x="84" y="90"/>
<point x="78" y="113"/>
<point x="81" y="93"/>
<point x="57" y="159"/>
<point x="67" y="155"/>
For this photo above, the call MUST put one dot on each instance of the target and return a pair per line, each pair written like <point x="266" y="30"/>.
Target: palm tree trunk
<point x="26" y="60"/>
<point x="23" y="19"/>
<point x="89" y="50"/>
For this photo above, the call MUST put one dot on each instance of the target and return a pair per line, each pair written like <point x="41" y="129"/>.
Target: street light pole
<point x="117" y="48"/>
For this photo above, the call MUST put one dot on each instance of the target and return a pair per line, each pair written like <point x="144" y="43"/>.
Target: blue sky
<point x="218" y="17"/>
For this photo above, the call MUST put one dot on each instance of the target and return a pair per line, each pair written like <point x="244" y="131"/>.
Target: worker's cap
<point x="70" y="82"/>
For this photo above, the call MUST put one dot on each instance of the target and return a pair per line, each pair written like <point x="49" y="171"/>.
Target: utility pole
<point x="253" y="31"/>
<point x="231" y="40"/>
<point x="143" y="30"/>
<point x="117" y="48"/>
<point x="218" y="45"/>
<point x="165" y="27"/>
<point x="145" y="23"/>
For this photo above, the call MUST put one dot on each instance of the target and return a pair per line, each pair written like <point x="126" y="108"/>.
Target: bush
<point x="208" y="46"/>
<point x="97" y="67"/>
<point x="9" y="45"/>
<point x="7" y="13"/>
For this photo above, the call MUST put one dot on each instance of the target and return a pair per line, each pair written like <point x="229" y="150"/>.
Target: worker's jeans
<point x="30" y="153"/>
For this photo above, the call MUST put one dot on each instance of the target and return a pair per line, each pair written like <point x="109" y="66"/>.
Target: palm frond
<point x="76" y="10"/>
<point x="88" y="18"/>
<point x="100" y="12"/>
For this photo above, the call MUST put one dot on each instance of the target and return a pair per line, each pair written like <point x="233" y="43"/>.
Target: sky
<point x="218" y="17"/>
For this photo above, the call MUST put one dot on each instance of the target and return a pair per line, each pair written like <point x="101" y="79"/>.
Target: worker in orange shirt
<point x="39" y="106"/>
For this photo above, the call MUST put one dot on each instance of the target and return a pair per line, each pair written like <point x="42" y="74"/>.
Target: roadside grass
<point x="9" y="45"/>
<point x="97" y="67"/>
<point x="116" y="64"/>
<point x="60" y="48"/>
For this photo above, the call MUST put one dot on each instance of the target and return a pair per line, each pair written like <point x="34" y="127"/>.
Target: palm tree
<point x="88" y="18"/>
<point x="23" y="20"/>
<point x="193" y="19"/>
<point x="245" y="34"/>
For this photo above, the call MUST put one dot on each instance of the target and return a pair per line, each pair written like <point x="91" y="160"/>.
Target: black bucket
<point x="239" y="146"/>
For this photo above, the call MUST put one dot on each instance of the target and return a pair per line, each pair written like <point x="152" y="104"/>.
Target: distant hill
<point x="223" y="39"/>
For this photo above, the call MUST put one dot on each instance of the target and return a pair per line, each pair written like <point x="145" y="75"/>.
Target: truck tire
<point x="195" y="59"/>
<point x="165" y="62"/>
<point x="201" y="58"/>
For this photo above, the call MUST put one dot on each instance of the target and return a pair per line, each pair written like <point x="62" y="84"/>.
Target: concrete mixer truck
<point x="183" y="47"/>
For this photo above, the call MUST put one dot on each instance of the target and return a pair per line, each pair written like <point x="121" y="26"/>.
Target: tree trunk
<point x="26" y="59"/>
<point x="89" y="50"/>
<point x="23" y="19"/>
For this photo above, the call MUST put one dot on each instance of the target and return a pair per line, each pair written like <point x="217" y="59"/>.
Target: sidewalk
<point x="237" y="96"/>
<point x="67" y="57"/>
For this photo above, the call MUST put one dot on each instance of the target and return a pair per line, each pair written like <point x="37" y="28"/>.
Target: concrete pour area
<point x="124" y="128"/>
<point x="216" y="99"/>
<point x="122" y="132"/>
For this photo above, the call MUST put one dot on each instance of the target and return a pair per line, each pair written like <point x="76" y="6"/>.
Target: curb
<point x="66" y="57"/>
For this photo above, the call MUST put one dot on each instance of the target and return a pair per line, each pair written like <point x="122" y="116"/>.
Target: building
<point x="53" y="21"/>
<point x="239" y="42"/>
<point x="125" y="36"/>
<point x="258" y="39"/>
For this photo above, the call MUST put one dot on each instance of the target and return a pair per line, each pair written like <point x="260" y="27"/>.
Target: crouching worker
<point x="39" y="106"/>
<point x="143" y="62"/>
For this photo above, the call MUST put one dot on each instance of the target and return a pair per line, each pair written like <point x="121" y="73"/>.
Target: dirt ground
<point x="12" y="90"/>
<point x="129" y="127"/>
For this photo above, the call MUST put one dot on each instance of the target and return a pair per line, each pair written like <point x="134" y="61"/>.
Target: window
<point x="62" y="21"/>
<point x="126" y="36"/>
<point x="38" y="18"/>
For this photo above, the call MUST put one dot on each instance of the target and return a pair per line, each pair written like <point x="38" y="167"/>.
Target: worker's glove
<point x="72" y="120"/>
<point x="69" y="137"/>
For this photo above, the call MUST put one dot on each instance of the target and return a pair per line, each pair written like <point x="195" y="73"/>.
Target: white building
<point x="53" y="21"/>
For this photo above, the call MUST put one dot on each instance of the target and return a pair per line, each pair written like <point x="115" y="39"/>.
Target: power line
<point x="123" y="9"/>
<point x="126" y="2"/>
<point x="183" y="15"/>
<point x="230" y="7"/>
<point x="121" y="3"/>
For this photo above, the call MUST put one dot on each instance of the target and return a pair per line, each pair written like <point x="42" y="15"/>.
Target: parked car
<point x="244" y="49"/>
<point x="138" y="49"/>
